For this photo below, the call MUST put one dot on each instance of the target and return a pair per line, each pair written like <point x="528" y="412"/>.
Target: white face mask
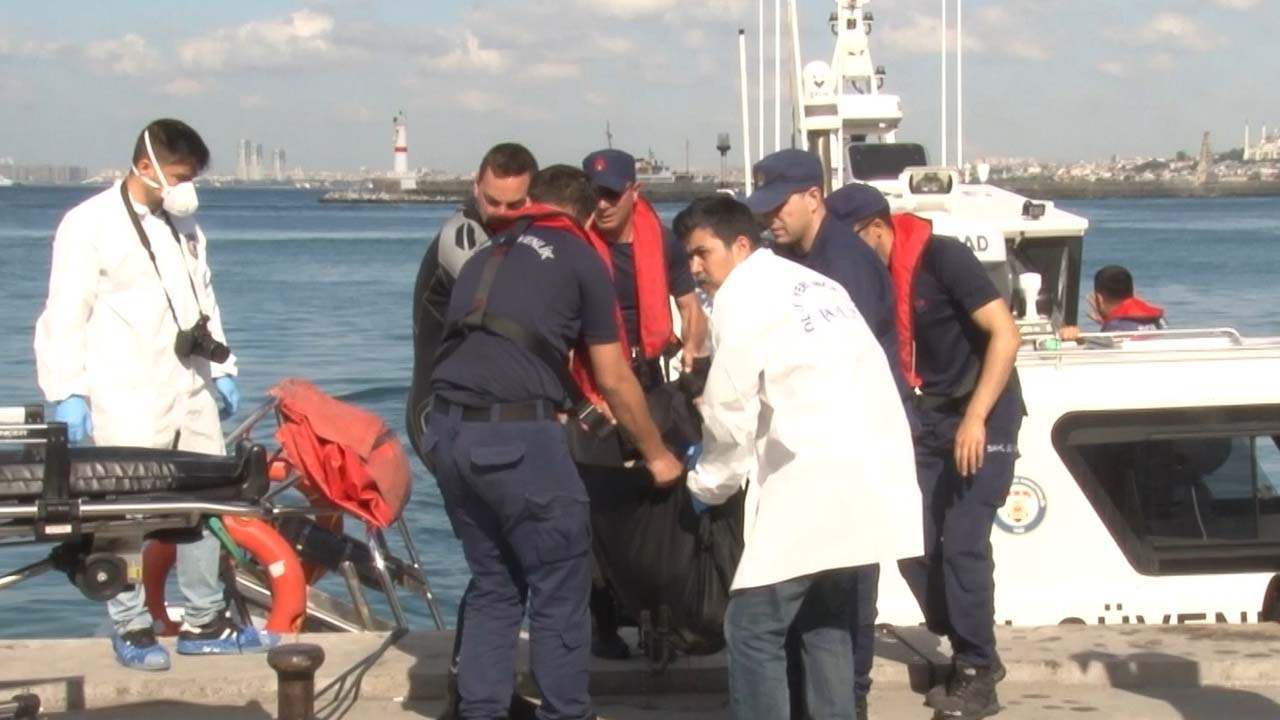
<point x="179" y="200"/>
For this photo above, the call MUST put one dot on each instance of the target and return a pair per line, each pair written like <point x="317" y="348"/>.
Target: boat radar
<point x="841" y="102"/>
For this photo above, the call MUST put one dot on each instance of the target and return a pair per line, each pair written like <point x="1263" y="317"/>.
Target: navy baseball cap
<point x="611" y="169"/>
<point x="779" y="175"/>
<point x="856" y="202"/>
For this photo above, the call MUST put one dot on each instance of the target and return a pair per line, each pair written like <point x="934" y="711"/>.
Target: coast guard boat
<point x="1148" y="487"/>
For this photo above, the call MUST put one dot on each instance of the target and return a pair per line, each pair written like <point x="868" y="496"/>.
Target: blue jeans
<point x="516" y="502"/>
<point x="755" y="627"/>
<point x="197" y="568"/>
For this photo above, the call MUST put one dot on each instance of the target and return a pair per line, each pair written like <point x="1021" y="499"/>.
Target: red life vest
<point x="1137" y="310"/>
<point x="653" y="306"/>
<point x="910" y="237"/>
<point x="557" y="219"/>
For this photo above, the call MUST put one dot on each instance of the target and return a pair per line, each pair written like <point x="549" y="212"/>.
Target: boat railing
<point x="1138" y="340"/>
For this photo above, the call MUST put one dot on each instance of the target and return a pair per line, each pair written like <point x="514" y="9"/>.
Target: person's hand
<point x="971" y="444"/>
<point x="1069" y="332"/>
<point x="666" y="469"/>
<point x="74" y="411"/>
<point x="228" y="396"/>
<point x="1095" y="312"/>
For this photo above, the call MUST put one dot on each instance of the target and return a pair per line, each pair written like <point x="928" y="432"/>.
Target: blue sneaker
<point x="138" y="650"/>
<point x="222" y="637"/>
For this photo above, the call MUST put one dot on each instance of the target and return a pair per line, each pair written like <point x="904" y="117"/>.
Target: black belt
<point x="530" y="411"/>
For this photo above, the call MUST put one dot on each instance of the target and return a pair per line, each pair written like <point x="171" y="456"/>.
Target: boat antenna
<point x="760" y="79"/>
<point x="943" y="104"/>
<point x="959" y="88"/>
<point x="777" y="75"/>
<point x="798" y="94"/>
<point x="746" y="110"/>
<point x="608" y="135"/>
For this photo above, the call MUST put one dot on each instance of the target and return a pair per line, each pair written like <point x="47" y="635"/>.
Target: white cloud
<point x="129" y="55"/>
<point x="469" y="56"/>
<point x="182" y="87"/>
<point x="251" y="102"/>
<point x="1160" y="61"/>
<point x="1169" y="28"/>
<point x="479" y="101"/>
<point x="30" y="49"/>
<point x="1238" y="4"/>
<point x="921" y="34"/>
<point x="1113" y="68"/>
<point x="551" y="71"/>
<point x="352" y="113"/>
<point x="303" y="36"/>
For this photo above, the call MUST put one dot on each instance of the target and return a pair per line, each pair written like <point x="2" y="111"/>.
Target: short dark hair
<point x="564" y="186"/>
<point x="173" y="141"/>
<point x="1113" y="282"/>
<point x="723" y="216"/>
<point x="506" y="160"/>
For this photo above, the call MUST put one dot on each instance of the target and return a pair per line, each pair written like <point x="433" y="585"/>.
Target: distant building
<point x="242" y="160"/>
<point x="278" y="164"/>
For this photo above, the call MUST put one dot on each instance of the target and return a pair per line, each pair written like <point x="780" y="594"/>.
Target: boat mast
<point x="746" y="110"/>
<point x="943" y="103"/>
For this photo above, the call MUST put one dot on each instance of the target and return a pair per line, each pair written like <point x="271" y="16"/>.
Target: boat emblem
<point x="1023" y="509"/>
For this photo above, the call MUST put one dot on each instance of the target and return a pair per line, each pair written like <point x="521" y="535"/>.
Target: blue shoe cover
<point x="138" y="650"/>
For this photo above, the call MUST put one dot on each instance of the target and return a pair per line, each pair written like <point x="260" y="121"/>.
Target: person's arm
<point x="730" y="407"/>
<point x="996" y="321"/>
<point x="693" y="329"/>
<point x="210" y="304"/>
<point x="60" y="330"/>
<point x="693" y="321"/>
<point x="613" y="376"/>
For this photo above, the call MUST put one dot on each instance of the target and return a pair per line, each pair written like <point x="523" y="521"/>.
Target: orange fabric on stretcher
<point x="345" y="452"/>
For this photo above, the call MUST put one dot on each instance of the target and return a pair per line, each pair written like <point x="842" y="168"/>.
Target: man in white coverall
<point x="131" y="351"/>
<point x="818" y="442"/>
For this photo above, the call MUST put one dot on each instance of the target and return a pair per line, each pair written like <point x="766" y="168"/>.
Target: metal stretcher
<point x="98" y="505"/>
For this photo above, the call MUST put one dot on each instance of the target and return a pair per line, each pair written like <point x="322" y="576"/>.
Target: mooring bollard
<point x="295" y="667"/>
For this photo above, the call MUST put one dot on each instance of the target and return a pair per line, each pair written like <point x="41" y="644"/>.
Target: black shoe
<point x="969" y="694"/>
<point x="610" y="646"/>
<point x="860" y="707"/>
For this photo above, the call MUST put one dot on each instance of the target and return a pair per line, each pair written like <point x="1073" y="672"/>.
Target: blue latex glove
<point x="74" y="411"/>
<point x="228" y="396"/>
<point x="690" y="461"/>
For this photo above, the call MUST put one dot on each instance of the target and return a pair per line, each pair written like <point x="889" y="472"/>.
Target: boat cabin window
<point x="1182" y="491"/>
<point x="884" y="161"/>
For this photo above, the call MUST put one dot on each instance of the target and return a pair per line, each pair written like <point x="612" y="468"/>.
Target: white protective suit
<point x="800" y="398"/>
<point x="107" y="333"/>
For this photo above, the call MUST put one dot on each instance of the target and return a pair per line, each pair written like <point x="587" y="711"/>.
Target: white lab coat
<point x="801" y="399"/>
<point x="107" y="333"/>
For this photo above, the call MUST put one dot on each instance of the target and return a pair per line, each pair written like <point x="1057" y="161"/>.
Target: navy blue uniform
<point x="679" y="279"/>
<point x="953" y="582"/>
<point x="838" y="253"/>
<point x="510" y="488"/>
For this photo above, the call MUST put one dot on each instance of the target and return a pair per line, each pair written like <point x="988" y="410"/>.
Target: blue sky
<point x="1055" y="79"/>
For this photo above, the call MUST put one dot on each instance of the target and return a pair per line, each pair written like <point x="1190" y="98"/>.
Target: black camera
<point x="199" y="342"/>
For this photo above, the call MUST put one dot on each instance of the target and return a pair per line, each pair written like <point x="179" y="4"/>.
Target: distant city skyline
<point x="1050" y="79"/>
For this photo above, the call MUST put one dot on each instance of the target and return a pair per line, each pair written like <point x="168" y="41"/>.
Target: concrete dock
<point x="1188" y="671"/>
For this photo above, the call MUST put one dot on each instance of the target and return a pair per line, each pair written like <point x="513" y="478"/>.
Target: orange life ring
<point x="278" y="471"/>
<point x="265" y="545"/>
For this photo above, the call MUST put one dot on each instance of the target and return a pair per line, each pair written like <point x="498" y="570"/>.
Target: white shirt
<point x="107" y="332"/>
<point x="800" y="398"/>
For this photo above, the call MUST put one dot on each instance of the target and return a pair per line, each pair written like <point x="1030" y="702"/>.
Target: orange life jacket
<point x="910" y="237"/>
<point x="653" y="307"/>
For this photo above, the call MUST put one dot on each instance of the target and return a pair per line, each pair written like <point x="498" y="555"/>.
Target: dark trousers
<point x="954" y="580"/>
<point x="516" y="503"/>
